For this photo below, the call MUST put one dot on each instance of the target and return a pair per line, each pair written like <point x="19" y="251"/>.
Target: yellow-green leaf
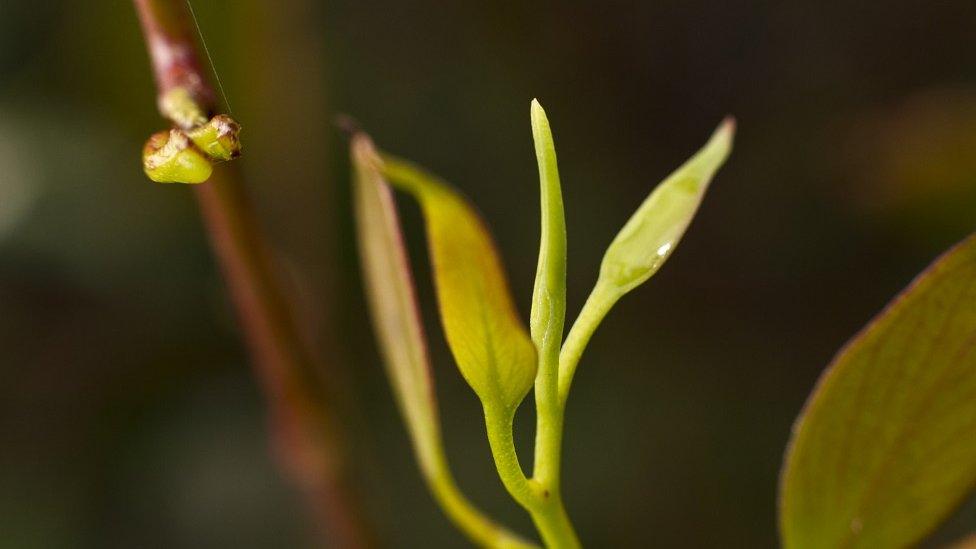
<point x="652" y="233"/>
<point x="886" y="446"/>
<point x="548" y="313"/>
<point x="393" y="304"/>
<point x="645" y="243"/>
<point x="549" y="296"/>
<point x="486" y="336"/>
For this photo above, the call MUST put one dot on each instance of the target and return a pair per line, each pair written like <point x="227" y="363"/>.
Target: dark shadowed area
<point x="128" y="413"/>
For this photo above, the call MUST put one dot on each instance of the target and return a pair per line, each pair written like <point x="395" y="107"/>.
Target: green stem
<point x="553" y="524"/>
<point x="549" y="428"/>
<point x="477" y="526"/>
<point x="545" y="506"/>
<point x="597" y="305"/>
<point x="499" y="426"/>
<point x="551" y="518"/>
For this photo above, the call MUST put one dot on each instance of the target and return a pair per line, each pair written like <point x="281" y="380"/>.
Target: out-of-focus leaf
<point x="965" y="543"/>
<point x="886" y="446"/>
<point x="393" y="304"/>
<point x="652" y="233"/>
<point x="486" y="336"/>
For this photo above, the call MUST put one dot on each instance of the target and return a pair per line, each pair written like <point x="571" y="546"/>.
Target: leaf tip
<point x="725" y="133"/>
<point x="538" y="114"/>
<point x="363" y="152"/>
<point x="348" y="126"/>
<point x="728" y="124"/>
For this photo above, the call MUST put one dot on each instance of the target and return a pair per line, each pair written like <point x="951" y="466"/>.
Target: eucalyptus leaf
<point x="885" y="448"/>
<point x="489" y="341"/>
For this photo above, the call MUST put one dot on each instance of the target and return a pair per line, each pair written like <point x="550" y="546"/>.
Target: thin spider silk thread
<point x="213" y="67"/>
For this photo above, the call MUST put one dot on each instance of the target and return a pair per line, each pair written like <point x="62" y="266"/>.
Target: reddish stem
<point x="172" y="47"/>
<point x="305" y="433"/>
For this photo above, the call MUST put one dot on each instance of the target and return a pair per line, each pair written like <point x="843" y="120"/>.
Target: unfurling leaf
<point x="486" y="336"/>
<point x="885" y="448"/>
<point x="652" y="233"/>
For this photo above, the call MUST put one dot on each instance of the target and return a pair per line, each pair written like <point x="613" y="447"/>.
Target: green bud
<point x="179" y="106"/>
<point x="219" y="138"/>
<point x="169" y="157"/>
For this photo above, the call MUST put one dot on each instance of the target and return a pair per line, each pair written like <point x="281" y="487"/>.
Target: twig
<point x="305" y="432"/>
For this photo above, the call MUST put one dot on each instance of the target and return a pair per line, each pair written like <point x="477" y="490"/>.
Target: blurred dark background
<point x="128" y="413"/>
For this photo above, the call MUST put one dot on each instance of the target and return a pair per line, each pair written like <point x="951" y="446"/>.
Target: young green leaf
<point x="549" y="295"/>
<point x="548" y="303"/>
<point x="885" y="448"/>
<point x="489" y="342"/>
<point x="645" y="243"/>
<point x="393" y="303"/>
<point x="652" y="233"/>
